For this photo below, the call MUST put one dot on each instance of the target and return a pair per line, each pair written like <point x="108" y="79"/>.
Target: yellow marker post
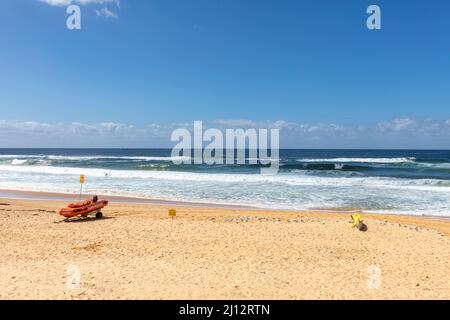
<point x="81" y="184"/>
<point x="172" y="213"/>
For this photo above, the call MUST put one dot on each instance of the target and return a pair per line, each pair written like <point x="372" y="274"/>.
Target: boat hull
<point x="83" y="210"/>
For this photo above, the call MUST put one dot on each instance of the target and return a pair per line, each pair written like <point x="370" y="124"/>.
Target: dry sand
<point x="137" y="252"/>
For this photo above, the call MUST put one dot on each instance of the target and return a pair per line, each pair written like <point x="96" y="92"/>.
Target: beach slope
<point x="138" y="252"/>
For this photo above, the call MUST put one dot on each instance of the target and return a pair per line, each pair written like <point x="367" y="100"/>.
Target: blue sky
<point x="161" y="63"/>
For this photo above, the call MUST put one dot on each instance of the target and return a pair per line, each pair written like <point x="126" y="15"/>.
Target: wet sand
<point x="138" y="252"/>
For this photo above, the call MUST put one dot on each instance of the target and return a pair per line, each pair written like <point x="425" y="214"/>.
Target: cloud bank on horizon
<point x="403" y="133"/>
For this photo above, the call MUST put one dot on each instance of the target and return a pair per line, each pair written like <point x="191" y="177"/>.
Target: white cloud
<point x="117" y="2"/>
<point x="103" y="12"/>
<point x="398" y="124"/>
<point x="58" y="3"/>
<point x="106" y="13"/>
<point x="81" y="2"/>
<point x="395" y="133"/>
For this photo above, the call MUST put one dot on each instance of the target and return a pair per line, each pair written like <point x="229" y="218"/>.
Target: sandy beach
<point x="138" y="252"/>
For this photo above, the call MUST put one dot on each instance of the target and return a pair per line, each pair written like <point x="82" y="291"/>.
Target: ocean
<point x="380" y="181"/>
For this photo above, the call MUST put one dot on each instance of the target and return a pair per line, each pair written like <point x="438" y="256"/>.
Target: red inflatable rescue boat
<point x="84" y="209"/>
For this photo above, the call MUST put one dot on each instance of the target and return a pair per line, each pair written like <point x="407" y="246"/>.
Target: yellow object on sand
<point x="172" y="213"/>
<point x="356" y="220"/>
<point x="81" y="178"/>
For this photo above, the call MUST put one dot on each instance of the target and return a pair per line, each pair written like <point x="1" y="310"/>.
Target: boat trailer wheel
<point x="99" y="215"/>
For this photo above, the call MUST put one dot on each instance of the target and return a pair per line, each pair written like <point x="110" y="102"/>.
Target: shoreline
<point x="55" y="196"/>
<point x="59" y="200"/>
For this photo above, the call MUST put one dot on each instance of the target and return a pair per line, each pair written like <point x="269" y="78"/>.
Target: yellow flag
<point x="81" y="178"/>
